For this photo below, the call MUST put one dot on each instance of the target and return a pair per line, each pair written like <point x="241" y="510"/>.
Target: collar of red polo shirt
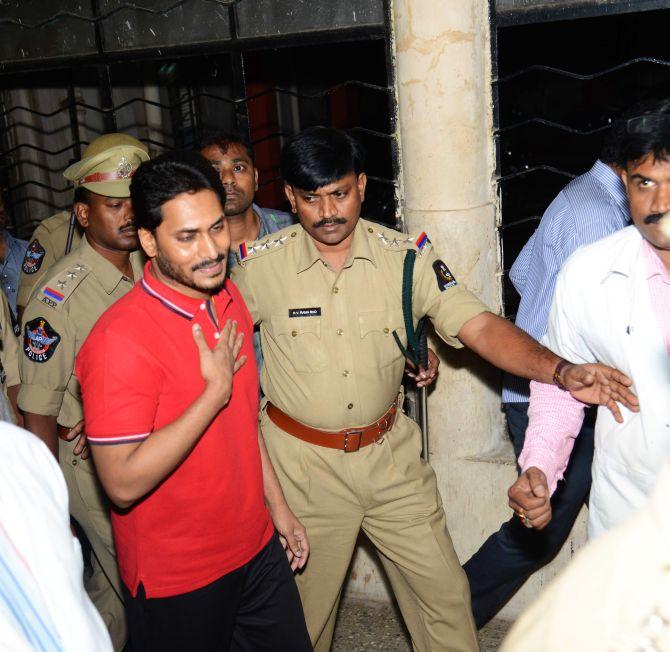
<point x="177" y="302"/>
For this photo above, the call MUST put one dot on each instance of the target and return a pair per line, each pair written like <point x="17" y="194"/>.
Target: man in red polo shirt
<point x="171" y="414"/>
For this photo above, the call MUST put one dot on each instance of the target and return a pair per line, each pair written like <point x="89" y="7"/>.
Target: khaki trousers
<point x="90" y="507"/>
<point x="391" y="493"/>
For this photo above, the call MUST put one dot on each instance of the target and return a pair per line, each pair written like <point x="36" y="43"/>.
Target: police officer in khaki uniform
<point x="60" y="314"/>
<point x="9" y="363"/>
<point x="47" y="245"/>
<point x="327" y="296"/>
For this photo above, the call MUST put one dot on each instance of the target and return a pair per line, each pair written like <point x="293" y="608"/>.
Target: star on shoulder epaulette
<point x="56" y="291"/>
<point x="272" y="242"/>
<point x="390" y="239"/>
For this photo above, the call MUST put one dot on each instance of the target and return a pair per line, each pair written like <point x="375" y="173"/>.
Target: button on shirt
<point x="73" y="294"/>
<point x="140" y="370"/>
<point x="590" y="207"/>
<point x="330" y="359"/>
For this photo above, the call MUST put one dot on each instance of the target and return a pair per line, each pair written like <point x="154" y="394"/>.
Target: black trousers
<point x="255" y="608"/>
<point x="513" y="553"/>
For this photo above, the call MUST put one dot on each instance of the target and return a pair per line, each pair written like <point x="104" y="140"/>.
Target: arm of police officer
<point x="129" y="471"/>
<point x="45" y="370"/>
<point x="292" y="533"/>
<point x="28" y="282"/>
<point x="9" y="356"/>
<point x="461" y="319"/>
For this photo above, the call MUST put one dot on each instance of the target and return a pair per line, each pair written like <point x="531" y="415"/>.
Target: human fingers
<point x="237" y="345"/>
<point x="613" y="407"/>
<point x="239" y="363"/>
<point x="75" y="431"/>
<point x="538" y="482"/>
<point x="199" y="339"/>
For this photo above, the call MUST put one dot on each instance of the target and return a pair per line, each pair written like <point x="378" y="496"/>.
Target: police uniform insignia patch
<point x="40" y="340"/>
<point x="422" y="243"/>
<point x="32" y="261"/>
<point x="445" y="279"/>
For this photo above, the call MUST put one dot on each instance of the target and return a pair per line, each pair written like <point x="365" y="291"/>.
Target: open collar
<point x="175" y="301"/>
<point x="308" y="254"/>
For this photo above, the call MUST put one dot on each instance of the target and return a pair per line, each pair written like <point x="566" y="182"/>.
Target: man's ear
<point x="362" y="182"/>
<point x="81" y="212"/>
<point x="255" y="179"/>
<point x="148" y="242"/>
<point x="290" y="195"/>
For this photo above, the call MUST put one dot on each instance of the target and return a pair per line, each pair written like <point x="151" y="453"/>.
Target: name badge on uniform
<point x="304" y="312"/>
<point x="445" y="279"/>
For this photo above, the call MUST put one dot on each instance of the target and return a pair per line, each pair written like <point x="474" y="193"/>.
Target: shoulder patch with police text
<point x="32" y="261"/>
<point x="39" y="340"/>
<point x="445" y="279"/>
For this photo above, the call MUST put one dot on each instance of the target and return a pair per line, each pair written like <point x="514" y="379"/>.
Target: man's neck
<point x="244" y="227"/>
<point x="120" y="259"/>
<point x="335" y="255"/>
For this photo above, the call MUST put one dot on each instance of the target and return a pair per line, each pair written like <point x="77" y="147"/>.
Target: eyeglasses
<point x="644" y="124"/>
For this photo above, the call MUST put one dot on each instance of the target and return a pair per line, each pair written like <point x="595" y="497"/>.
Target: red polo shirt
<point x="139" y="370"/>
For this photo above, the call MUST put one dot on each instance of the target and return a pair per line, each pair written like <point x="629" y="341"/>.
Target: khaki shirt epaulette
<point x="60" y="314"/>
<point x="389" y="239"/>
<point x="46" y="247"/>
<point x="255" y="249"/>
<point x="63" y="283"/>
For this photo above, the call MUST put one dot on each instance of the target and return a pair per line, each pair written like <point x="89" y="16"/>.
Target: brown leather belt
<point x="349" y="440"/>
<point x="63" y="432"/>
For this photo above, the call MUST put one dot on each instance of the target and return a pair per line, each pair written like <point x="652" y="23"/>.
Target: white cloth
<point x="602" y="312"/>
<point x="615" y="594"/>
<point x="43" y="604"/>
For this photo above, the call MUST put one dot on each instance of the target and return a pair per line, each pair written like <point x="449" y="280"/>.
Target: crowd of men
<point x="221" y="385"/>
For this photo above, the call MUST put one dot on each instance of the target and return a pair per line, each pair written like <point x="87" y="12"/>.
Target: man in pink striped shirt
<point x="611" y="305"/>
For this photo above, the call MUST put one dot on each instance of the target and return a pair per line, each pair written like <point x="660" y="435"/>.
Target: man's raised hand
<point x="219" y="365"/>
<point x="599" y="384"/>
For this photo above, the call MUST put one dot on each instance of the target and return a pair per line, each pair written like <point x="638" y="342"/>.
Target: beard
<point x="171" y="271"/>
<point x="237" y="206"/>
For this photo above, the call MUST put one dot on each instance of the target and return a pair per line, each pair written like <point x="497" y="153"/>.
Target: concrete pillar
<point x="443" y="76"/>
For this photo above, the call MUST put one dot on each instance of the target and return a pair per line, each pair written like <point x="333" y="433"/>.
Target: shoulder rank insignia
<point x="59" y="287"/>
<point x="40" y="340"/>
<point x="32" y="261"/>
<point x="267" y="244"/>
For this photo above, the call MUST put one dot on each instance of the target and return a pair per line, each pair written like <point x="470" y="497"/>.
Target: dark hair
<point x="320" y="155"/>
<point x="158" y="181"/>
<point x="81" y="195"/>
<point x="641" y="130"/>
<point x="224" y="139"/>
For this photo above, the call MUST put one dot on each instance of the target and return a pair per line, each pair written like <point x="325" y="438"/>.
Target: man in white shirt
<point x="43" y="603"/>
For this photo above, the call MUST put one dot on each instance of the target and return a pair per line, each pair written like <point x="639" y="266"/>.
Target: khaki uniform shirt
<point x="46" y="247"/>
<point x="330" y="359"/>
<point x="59" y="316"/>
<point x="9" y="347"/>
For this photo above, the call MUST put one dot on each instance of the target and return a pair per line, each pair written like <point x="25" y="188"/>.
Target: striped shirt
<point x="590" y="207"/>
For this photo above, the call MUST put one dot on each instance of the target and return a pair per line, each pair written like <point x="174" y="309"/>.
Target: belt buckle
<point x="347" y="438"/>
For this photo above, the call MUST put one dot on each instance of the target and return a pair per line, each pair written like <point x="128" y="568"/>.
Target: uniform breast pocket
<point x="299" y="339"/>
<point x="377" y="335"/>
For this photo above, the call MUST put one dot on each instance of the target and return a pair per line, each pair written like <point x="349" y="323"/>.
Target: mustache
<point x="329" y="221"/>
<point x="208" y="263"/>
<point x="127" y="226"/>
<point x="654" y="218"/>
